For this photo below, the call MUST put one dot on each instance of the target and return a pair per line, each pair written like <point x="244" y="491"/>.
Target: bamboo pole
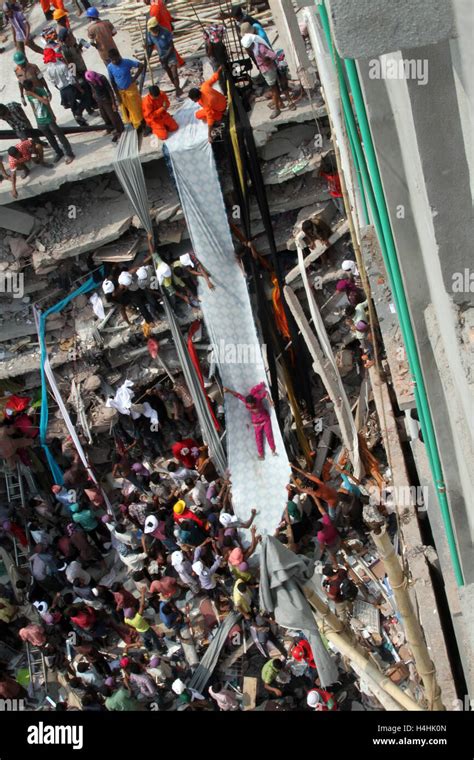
<point x="335" y="631"/>
<point x="413" y="630"/>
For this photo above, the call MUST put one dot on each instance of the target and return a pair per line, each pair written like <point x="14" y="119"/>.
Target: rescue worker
<point x="155" y="112"/>
<point x="213" y="103"/>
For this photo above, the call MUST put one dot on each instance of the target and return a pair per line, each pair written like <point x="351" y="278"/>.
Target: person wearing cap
<point x="162" y="40"/>
<point x="321" y="700"/>
<point x="169" y="281"/>
<point x="181" y="512"/>
<point x="71" y="50"/>
<point x="155" y="113"/>
<point x="124" y="84"/>
<point x="183" y="567"/>
<point x="21" y="29"/>
<point x="101" y="33"/>
<point x="46" y="7"/>
<point x="213" y="103"/>
<point x="26" y="70"/>
<point x="206" y="575"/>
<point x="350" y="267"/>
<point x="188" y="267"/>
<point x="123" y="296"/>
<point x="46" y="121"/>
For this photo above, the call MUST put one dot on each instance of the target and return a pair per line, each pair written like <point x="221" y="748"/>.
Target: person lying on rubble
<point x="162" y="40"/>
<point x="155" y="112"/>
<point x="260" y="416"/>
<point x="103" y="95"/>
<point x="19" y="156"/>
<point x="213" y="103"/>
<point x="267" y="61"/>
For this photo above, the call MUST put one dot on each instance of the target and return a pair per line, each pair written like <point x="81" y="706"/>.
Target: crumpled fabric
<point x="282" y="576"/>
<point x="97" y="305"/>
<point x="122" y="400"/>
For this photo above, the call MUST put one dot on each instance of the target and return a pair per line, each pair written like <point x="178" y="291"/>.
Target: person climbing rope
<point x="260" y="416"/>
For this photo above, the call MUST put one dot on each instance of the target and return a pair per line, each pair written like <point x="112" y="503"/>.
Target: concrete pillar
<point x="290" y="39"/>
<point x="330" y="90"/>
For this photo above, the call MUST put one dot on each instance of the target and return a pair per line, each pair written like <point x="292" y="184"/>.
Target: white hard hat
<point x="108" y="287"/>
<point x="125" y="279"/>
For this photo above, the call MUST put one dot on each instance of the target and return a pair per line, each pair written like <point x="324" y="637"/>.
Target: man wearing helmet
<point x="26" y="70"/>
<point x="101" y="33"/>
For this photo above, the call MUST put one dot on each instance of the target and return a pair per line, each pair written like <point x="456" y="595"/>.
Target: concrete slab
<point x="16" y="221"/>
<point x="264" y="128"/>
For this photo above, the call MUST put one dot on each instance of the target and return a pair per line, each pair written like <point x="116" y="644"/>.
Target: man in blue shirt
<point x="124" y="84"/>
<point x="162" y="40"/>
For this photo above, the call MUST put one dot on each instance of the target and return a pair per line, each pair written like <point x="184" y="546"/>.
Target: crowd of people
<point x="116" y="95"/>
<point x="132" y="569"/>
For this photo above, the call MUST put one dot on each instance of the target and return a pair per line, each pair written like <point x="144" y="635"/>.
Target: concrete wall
<point x="421" y="131"/>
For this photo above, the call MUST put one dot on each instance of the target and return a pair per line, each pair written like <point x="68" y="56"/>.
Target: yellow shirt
<point x="139" y="623"/>
<point x="7" y="612"/>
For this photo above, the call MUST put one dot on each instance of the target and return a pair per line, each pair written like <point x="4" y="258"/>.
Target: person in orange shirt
<point x="213" y="103"/>
<point x="46" y="7"/>
<point x="159" y="11"/>
<point x="155" y="112"/>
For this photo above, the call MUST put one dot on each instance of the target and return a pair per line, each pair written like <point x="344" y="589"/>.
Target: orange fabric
<point x="151" y="105"/>
<point x="280" y="316"/>
<point x="159" y="10"/>
<point x="157" y="117"/>
<point x="213" y="103"/>
<point x="58" y="5"/>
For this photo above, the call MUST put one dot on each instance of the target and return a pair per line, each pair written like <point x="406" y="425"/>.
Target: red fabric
<point x="302" y="652"/>
<point x="189" y="460"/>
<point x="195" y="360"/>
<point x="334" y="184"/>
<point x="153" y="347"/>
<point x="85" y="619"/>
<point x="17" y="403"/>
<point x="19" y="533"/>
<point x="159" y="10"/>
<point x="188" y="515"/>
<point x="24" y="425"/>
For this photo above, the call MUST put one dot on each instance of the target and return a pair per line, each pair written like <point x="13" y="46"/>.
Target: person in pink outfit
<point x="259" y="415"/>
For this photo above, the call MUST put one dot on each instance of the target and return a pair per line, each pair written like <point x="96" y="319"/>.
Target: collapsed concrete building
<point x="67" y="225"/>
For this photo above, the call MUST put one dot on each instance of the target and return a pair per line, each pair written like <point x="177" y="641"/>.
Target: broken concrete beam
<point x="324" y="445"/>
<point x="16" y="221"/>
<point x="18" y="247"/>
<point x="264" y="128"/>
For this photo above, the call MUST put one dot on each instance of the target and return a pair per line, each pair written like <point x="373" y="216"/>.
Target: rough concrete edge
<point x="419" y="568"/>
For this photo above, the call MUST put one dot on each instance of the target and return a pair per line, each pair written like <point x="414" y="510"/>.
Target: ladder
<point x="15" y="494"/>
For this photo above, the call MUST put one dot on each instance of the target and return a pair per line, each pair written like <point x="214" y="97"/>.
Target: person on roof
<point x="101" y="33"/>
<point x="162" y="40"/>
<point x="155" y="112"/>
<point x="213" y="103"/>
<point x="259" y="415"/>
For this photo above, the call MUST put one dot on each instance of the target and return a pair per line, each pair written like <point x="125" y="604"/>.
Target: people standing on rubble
<point x="155" y="112"/>
<point x="241" y="18"/>
<point x="162" y="40"/>
<point x="103" y="95"/>
<point x="101" y="33"/>
<point x="21" y="29"/>
<point x="26" y="70"/>
<point x="213" y="103"/>
<point x="16" y="119"/>
<point x="267" y="62"/>
<point x="124" y="84"/>
<point x="72" y="95"/>
<point x="260" y="416"/>
<point x="46" y="121"/>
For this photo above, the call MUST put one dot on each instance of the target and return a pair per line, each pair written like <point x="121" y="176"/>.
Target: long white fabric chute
<point x="229" y="321"/>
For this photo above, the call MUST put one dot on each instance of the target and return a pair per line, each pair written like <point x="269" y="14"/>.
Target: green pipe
<point x="375" y="194"/>
<point x="365" y="210"/>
